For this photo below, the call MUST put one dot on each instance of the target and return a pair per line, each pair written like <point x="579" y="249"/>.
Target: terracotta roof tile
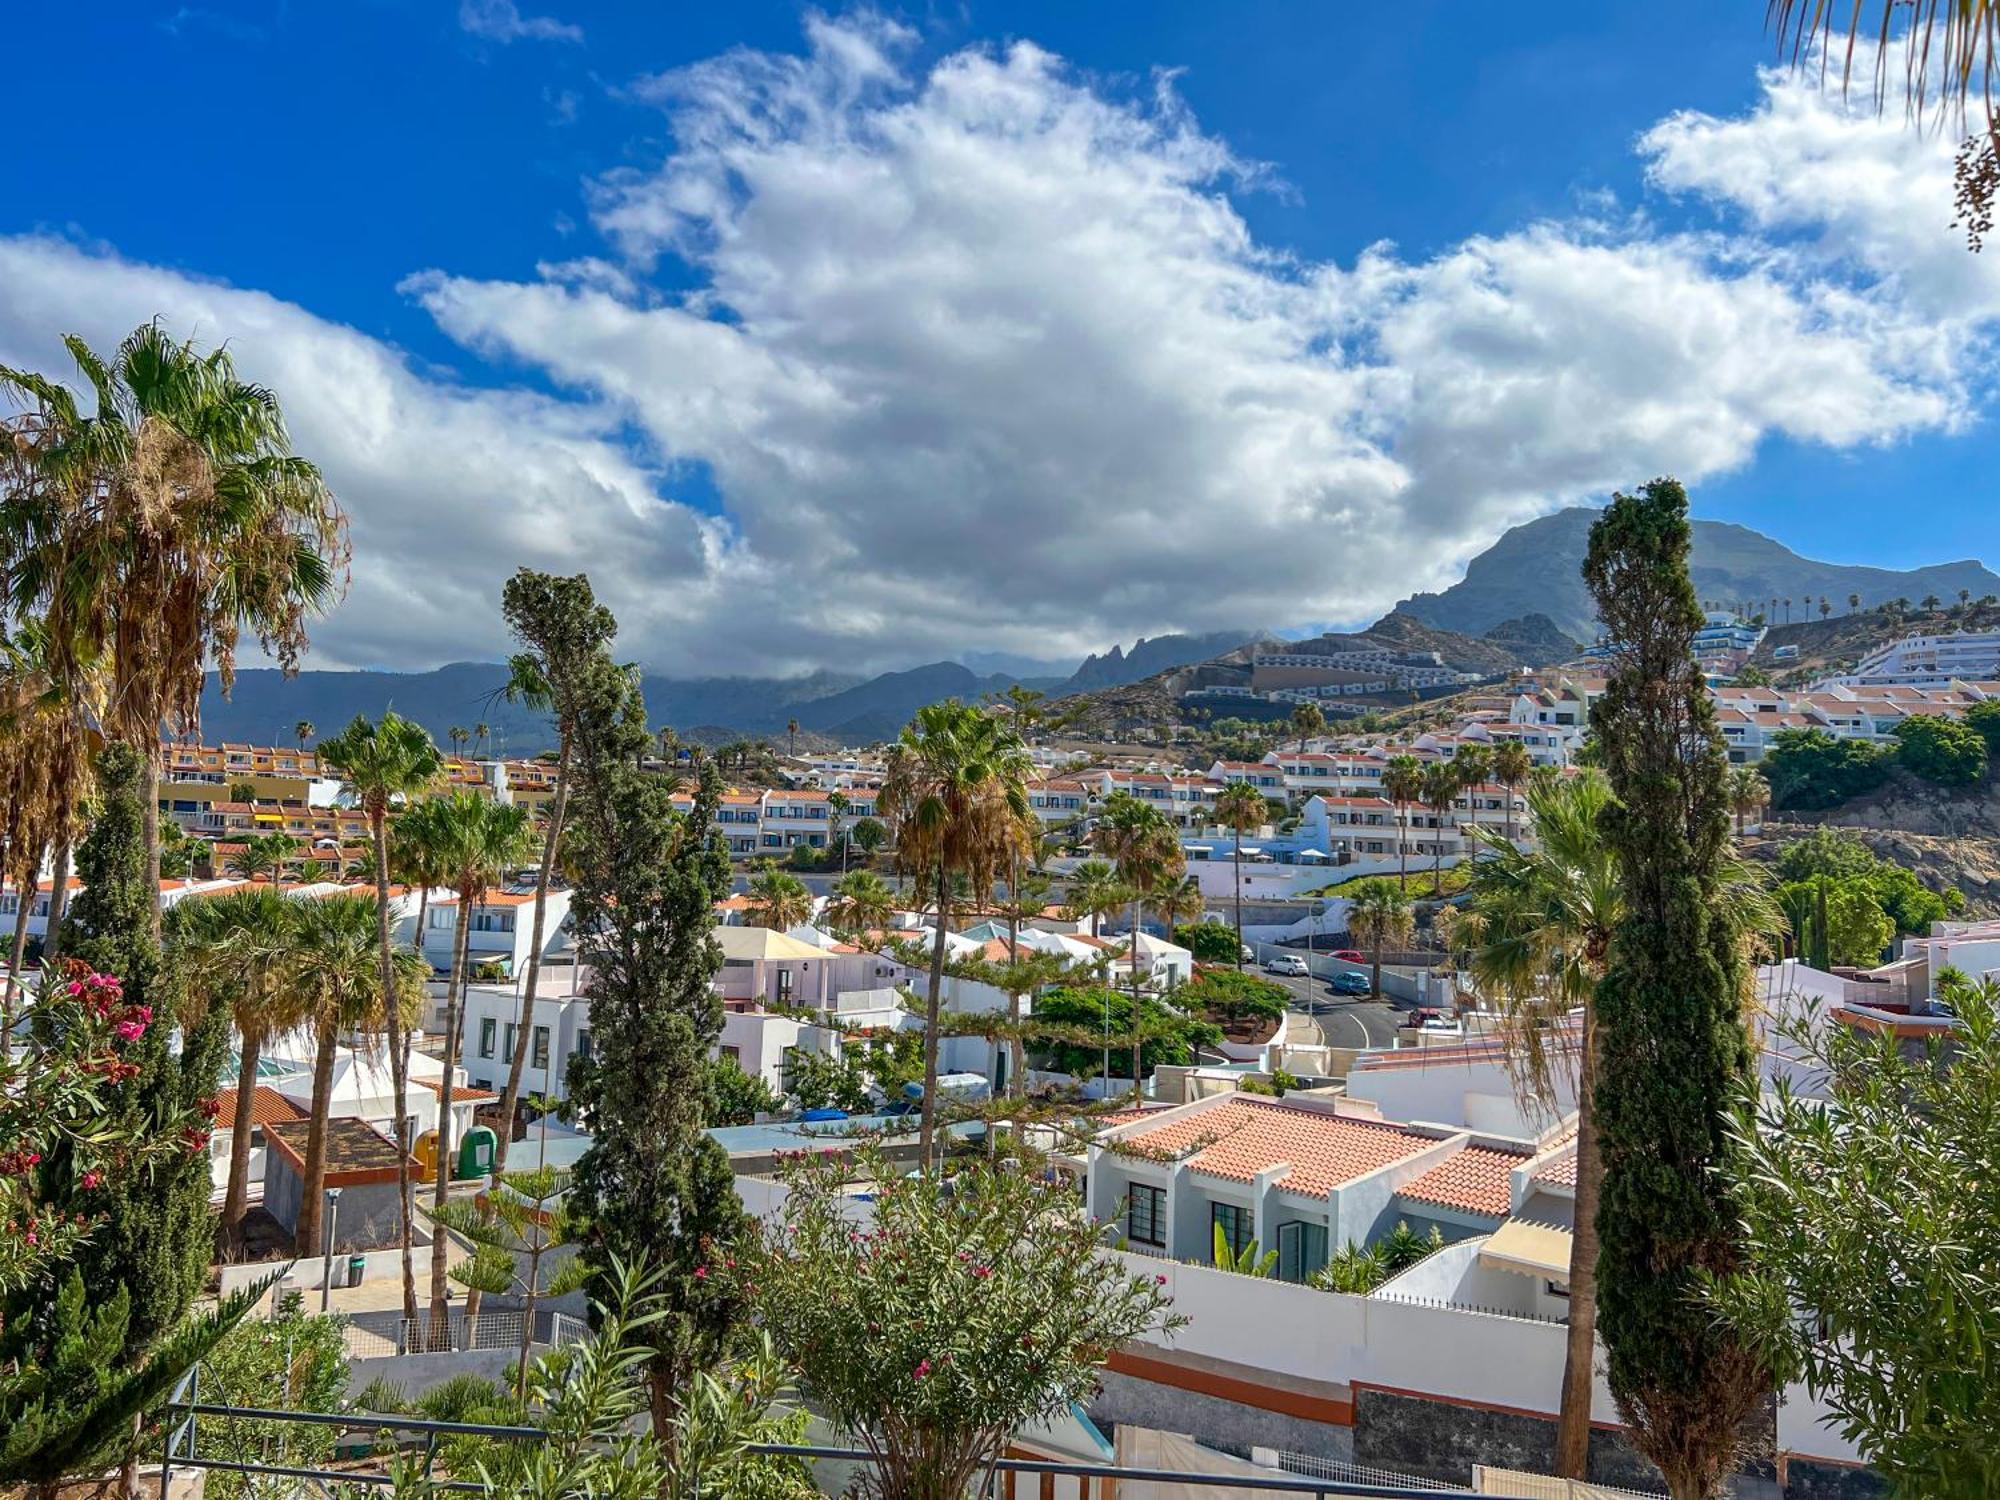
<point x="1561" y="1171"/>
<point x="1243" y="1137"/>
<point x="267" y="1107"/>
<point x="1474" y="1181"/>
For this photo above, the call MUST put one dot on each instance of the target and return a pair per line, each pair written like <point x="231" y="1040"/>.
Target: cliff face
<point x="1950" y="838"/>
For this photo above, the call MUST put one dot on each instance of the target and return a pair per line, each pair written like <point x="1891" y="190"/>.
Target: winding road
<point x="1343" y="1020"/>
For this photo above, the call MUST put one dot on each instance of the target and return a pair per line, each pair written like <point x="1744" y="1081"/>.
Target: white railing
<point x="1340" y="1471"/>
<point x="377" y="1335"/>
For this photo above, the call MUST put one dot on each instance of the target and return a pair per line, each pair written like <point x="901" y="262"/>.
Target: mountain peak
<point x="1537" y="568"/>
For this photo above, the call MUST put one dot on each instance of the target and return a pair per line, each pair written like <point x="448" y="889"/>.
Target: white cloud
<point x="981" y="357"/>
<point x="502" y="21"/>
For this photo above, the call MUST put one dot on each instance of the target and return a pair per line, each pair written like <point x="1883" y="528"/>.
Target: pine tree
<point x="654" y="1187"/>
<point x="1674" y="1052"/>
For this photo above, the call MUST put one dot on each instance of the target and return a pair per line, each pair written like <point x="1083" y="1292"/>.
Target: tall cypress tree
<point x="160" y="1233"/>
<point x="653" y="1187"/>
<point x="1669" y="1010"/>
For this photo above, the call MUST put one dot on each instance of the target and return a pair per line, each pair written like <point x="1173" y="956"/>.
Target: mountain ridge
<point x="1536" y="567"/>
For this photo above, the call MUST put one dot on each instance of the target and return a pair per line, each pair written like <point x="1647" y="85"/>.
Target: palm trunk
<point x="927" y="1119"/>
<point x="1138" y="910"/>
<point x="1239" y="899"/>
<point x="453" y="1003"/>
<point x="58" y="905"/>
<point x="510" y="1098"/>
<point x="1402" y="850"/>
<point x="399" y="1062"/>
<point x="1377" y="981"/>
<point x="149" y="788"/>
<point x="1016" y="1054"/>
<point x="306" y="1238"/>
<point x="242" y="1125"/>
<point x="1580" y="1352"/>
<point x="15" y="957"/>
<point x="1437" y="857"/>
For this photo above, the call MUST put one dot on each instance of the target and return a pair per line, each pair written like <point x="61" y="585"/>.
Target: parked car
<point x="1287" y="963"/>
<point x="1350" y="955"/>
<point x="1351" y="982"/>
<point x="1438" y="1022"/>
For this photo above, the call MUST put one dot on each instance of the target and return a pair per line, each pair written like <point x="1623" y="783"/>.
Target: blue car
<point x="1351" y="982"/>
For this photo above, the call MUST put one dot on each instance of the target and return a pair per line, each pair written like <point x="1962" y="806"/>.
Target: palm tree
<point x="154" y="533"/>
<point x="332" y="965"/>
<point x="1853" y="603"/>
<point x="394" y="760"/>
<point x="1511" y="766"/>
<point x="836" y="809"/>
<point x="46" y="772"/>
<point x="1825" y="606"/>
<point x="481" y="732"/>
<point x="1929" y="603"/>
<point x="1094" y="891"/>
<point x="1240" y="808"/>
<point x="792" y="738"/>
<point x="1748" y="791"/>
<point x="861" y="902"/>
<point x="1545" y="918"/>
<point x="458" y="734"/>
<point x="779" y="900"/>
<point x="1379" y="914"/>
<point x="1440" y="787"/>
<point x="303" y="731"/>
<point x="478" y="839"/>
<point x="263" y="856"/>
<point x="955" y="793"/>
<point x="1142" y="845"/>
<point x="1308" y="719"/>
<point x="1964" y="599"/>
<point x="235" y="948"/>
<point x="1403" y="785"/>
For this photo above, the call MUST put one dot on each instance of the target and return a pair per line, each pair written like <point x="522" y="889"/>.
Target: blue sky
<point x="482" y="225"/>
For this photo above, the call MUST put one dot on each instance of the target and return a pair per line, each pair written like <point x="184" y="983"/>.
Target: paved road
<point x="1343" y="1020"/>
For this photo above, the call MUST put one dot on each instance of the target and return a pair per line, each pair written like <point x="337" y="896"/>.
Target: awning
<point x="267" y="817"/>
<point x="1528" y="1249"/>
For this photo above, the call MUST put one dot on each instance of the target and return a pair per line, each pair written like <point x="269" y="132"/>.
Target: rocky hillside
<point x="1950" y="838"/>
<point x="1837" y="642"/>
<point x="1537" y="567"/>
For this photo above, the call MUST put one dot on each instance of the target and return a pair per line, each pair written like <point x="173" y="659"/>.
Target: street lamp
<point x="332" y="1225"/>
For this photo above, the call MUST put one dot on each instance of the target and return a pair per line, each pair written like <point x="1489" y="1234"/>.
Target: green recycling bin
<point x="477" y="1151"/>
<point x="357" y="1267"/>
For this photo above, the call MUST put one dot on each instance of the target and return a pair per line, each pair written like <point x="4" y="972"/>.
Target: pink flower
<point x="130" y="1031"/>
<point x="923" y="1365"/>
<point x="701" y="1273"/>
<point x="93" y="1178"/>
<point x="1160" y="1280"/>
<point x="75" y="987"/>
<point x="982" y="1272"/>
<point x="31" y="1239"/>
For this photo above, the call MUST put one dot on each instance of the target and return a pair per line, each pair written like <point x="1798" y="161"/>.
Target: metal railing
<point x="376" y="1335"/>
<point x="1346" y="1472"/>
<point x="186" y="1411"/>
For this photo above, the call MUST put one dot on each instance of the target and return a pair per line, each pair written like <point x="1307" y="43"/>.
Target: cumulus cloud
<point x="981" y="355"/>
<point x="502" y="21"/>
<point x="449" y="487"/>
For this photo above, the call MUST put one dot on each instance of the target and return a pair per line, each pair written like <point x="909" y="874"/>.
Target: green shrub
<point x="1811" y="768"/>
<point x="1940" y="750"/>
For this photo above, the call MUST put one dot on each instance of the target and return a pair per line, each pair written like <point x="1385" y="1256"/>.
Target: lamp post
<point x="332" y="1228"/>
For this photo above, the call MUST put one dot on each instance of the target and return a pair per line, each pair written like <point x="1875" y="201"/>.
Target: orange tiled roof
<point x="1562" y="1171"/>
<point x="267" y="1107"/>
<point x="459" y="1092"/>
<point x="1243" y="1137"/>
<point x="1474" y="1181"/>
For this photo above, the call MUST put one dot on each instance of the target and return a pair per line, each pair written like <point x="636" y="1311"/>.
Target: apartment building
<point x="773" y="822"/>
<point x="501" y="931"/>
<point x="1929" y="660"/>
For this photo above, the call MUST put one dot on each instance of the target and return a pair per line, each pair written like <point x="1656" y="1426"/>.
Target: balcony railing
<point x="182" y="1427"/>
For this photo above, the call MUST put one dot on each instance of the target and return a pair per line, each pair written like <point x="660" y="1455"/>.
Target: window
<point x="513" y="1030"/>
<point x="487" y="1029"/>
<point x="1146" y="1215"/>
<point x="1235" y="1223"/>
<point x="583" y="1044"/>
<point x="785" y="977"/>
<point x="1301" y="1249"/>
<point x="442" y="917"/>
<point x="541" y="1045"/>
